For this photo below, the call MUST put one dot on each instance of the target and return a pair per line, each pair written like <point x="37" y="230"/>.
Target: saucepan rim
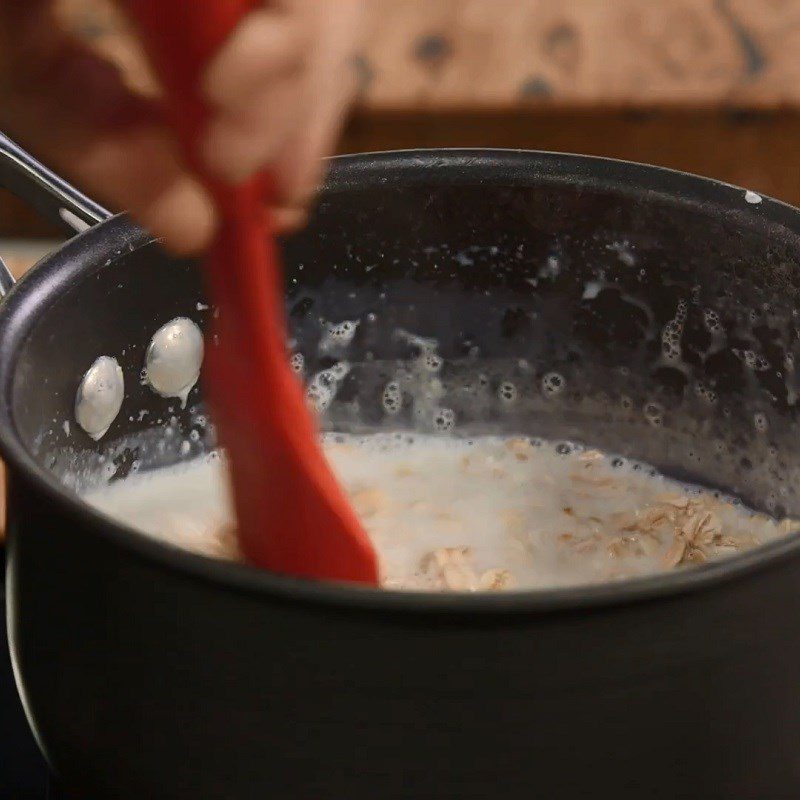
<point x="90" y="251"/>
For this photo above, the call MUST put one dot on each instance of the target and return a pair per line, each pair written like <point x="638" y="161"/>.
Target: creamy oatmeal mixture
<point x="486" y="513"/>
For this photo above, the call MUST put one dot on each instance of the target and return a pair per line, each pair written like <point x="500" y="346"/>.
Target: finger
<point x="300" y="166"/>
<point x="74" y="111"/>
<point x="136" y="170"/>
<point x="330" y="88"/>
<point x="254" y="84"/>
<point x="236" y="144"/>
<point x="140" y="171"/>
<point x="267" y="45"/>
<point x="287" y="220"/>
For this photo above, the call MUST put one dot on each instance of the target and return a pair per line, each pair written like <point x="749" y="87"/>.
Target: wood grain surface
<point x="467" y="54"/>
<point x="507" y="53"/>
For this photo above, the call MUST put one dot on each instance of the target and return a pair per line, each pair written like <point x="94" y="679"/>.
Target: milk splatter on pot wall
<point x="99" y="397"/>
<point x="174" y="357"/>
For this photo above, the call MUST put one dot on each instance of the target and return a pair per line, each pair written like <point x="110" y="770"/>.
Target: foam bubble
<point x="431" y="361"/>
<point x="392" y="399"/>
<point x="654" y="413"/>
<point x="672" y="332"/>
<point x="553" y="383"/>
<point x="444" y="419"/>
<point x="323" y="386"/>
<point x="507" y="392"/>
<point x="705" y="392"/>
<point x="751" y="359"/>
<point x="711" y="320"/>
<point x="337" y="336"/>
<point x="339" y="370"/>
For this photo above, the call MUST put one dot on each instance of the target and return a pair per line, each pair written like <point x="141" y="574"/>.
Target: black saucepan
<point x="151" y="672"/>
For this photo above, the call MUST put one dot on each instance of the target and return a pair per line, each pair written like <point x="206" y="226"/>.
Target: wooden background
<point x="710" y="86"/>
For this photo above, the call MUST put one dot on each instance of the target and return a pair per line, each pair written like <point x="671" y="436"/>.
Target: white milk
<point x="471" y="514"/>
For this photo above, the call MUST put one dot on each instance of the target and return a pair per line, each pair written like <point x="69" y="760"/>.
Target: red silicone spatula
<point x="293" y="517"/>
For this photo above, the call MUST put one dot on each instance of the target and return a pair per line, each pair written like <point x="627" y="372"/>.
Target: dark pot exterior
<point x="143" y="681"/>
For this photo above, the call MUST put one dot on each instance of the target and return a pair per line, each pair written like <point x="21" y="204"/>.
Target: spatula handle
<point x="262" y="414"/>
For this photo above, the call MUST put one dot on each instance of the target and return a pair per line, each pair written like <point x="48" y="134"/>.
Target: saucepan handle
<point x="50" y="195"/>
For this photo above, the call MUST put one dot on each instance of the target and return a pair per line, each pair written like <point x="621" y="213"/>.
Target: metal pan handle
<point x="50" y="195"/>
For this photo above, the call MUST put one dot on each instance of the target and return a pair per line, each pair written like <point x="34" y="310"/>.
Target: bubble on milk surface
<point x="752" y="360"/>
<point x="553" y="383"/>
<point x="705" y="392"/>
<point x="324" y="385"/>
<point x="431" y="361"/>
<point x="654" y="413"/>
<point x="444" y="420"/>
<point x="507" y="392"/>
<point x="712" y="321"/>
<point x="392" y="398"/>
<point x="337" y="336"/>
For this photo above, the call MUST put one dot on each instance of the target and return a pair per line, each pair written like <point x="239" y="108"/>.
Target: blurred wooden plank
<point x="504" y="54"/>
<point x="19" y="255"/>
<point x="459" y="54"/>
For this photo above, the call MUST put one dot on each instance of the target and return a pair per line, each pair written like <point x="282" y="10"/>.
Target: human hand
<point x="278" y="91"/>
